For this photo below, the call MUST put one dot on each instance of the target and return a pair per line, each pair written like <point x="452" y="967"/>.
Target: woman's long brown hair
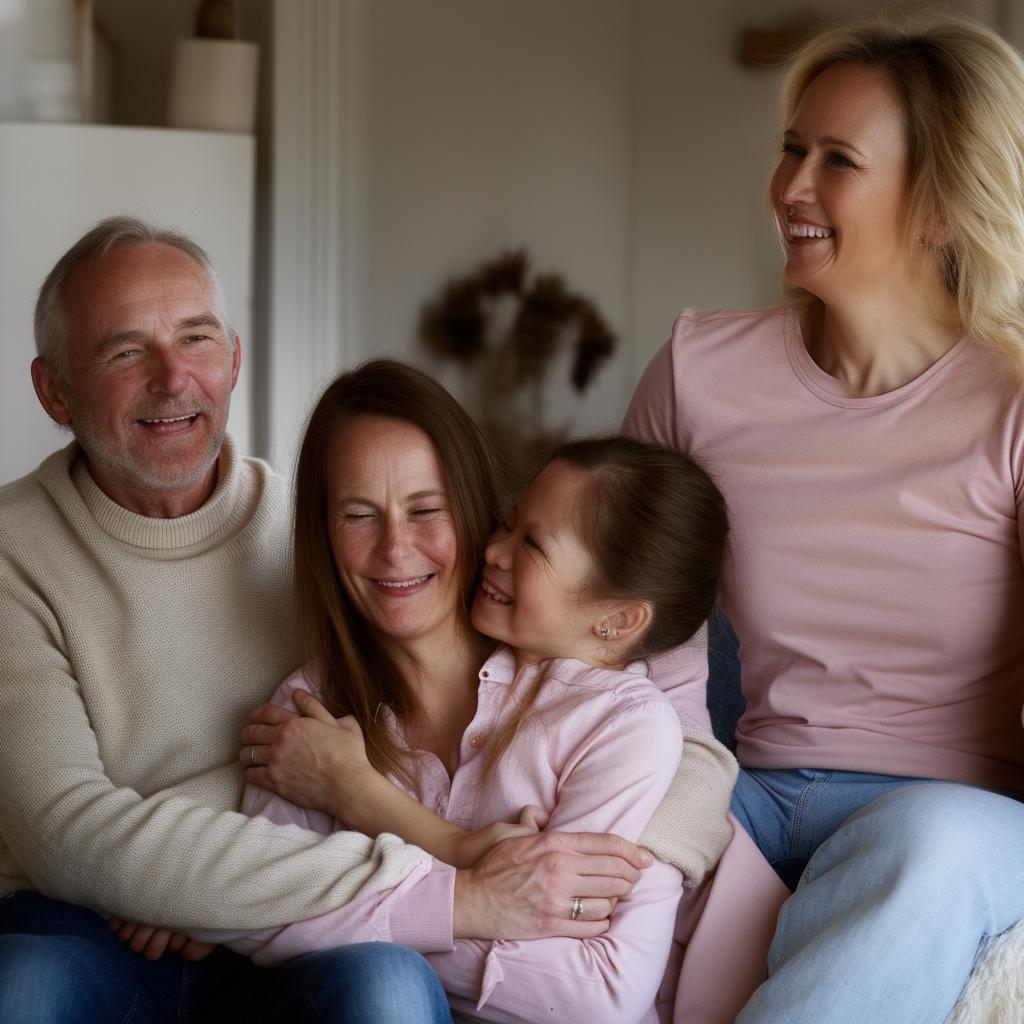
<point x="356" y="675"/>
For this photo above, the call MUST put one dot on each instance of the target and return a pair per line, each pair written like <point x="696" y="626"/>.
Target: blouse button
<point x="485" y="674"/>
<point x="477" y="742"/>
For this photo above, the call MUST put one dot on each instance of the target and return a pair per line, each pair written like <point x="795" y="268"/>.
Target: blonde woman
<point x="869" y="438"/>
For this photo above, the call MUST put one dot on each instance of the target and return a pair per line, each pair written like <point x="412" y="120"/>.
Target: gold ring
<point x="252" y="756"/>
<point x="575" y="907"/>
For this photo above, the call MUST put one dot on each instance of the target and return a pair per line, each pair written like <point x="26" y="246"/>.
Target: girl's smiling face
<point x="839" y="191"/>
<point x="534" y="593"/>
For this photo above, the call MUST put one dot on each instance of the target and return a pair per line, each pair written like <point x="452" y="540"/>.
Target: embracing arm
<point x="510" y="891"/>
<point x="690" y="828"/>
<point x="296" y="733"/>
<point x="165" y="858"/>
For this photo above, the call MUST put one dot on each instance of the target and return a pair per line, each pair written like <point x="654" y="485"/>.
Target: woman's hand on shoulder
<point x="311" y="758"/>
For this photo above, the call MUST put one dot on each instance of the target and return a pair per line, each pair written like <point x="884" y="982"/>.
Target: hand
<point x="521" y="888"/>
<point x="469" y="847"/>
<point x="153" y="942"/>
<point x="312" y="759"/>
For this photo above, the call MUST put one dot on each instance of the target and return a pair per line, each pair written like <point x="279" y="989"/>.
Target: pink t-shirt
<point x="598" y="753"/>
<point x="876" y="582"/>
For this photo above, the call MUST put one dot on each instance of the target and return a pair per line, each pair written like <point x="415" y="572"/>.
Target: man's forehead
<point x="132" y="285"/>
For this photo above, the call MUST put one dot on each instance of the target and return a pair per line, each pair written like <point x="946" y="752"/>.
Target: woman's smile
<point x="391" y="528"/>
<point x="406" y="587"/>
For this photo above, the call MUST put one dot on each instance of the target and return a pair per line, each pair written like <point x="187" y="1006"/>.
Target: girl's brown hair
<point x="356" y="675"/>
<point x="656" y="526"/>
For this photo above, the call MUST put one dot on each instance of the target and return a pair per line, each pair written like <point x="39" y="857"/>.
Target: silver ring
<point x="252" y="756"/>
<point x="575" y="907"/>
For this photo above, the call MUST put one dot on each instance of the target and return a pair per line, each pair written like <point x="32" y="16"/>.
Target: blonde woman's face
<point x="391" y="529"/>
<point x="839" y="191"/>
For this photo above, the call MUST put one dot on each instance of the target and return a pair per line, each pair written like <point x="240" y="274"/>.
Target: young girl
<point x="613" y="554"/>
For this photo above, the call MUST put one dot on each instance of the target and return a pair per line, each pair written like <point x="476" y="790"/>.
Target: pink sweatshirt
<point x="876" y="582"/>
<point x="598" y="753"/>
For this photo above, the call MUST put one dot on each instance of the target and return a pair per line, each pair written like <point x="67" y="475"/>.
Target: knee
<point x="378" y="982"/>
<point x="40" y="977"/>
<point x="936" y="832"/>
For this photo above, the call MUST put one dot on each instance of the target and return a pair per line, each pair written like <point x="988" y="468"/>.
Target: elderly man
<point x="144" y="609"/>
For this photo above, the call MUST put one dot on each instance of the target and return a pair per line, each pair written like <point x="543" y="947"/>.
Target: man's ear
<point x="51" y="392"/>
<point x="626" y="622"/>
<point x="236" y="361"/>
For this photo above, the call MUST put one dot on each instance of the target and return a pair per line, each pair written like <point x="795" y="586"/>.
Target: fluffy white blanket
<point x="995" y="991"/>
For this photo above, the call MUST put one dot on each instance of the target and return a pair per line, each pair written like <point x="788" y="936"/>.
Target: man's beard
<point x="131" y="468"/>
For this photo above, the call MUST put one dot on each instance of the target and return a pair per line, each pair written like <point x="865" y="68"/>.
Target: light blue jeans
<point x="904" y="880"/>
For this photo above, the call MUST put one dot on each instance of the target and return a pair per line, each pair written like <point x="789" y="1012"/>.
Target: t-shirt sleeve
<point x="652" y="412"/>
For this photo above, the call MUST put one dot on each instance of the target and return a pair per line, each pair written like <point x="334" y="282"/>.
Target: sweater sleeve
<point x="690" y="828"/>
<point x="416" y="911"/>
<point x="162" y="858"/>
<point x="612" y="784"/>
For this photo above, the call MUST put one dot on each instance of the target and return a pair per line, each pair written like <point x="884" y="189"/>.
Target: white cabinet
<point x="56" y="181"/>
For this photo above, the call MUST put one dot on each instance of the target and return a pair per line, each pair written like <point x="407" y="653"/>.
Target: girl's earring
<point x="605" y="632"/>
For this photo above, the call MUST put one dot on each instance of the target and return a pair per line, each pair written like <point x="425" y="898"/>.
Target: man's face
<point x="151" y="368"/>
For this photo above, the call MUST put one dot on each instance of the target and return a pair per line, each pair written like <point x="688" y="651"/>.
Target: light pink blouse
<point x="598" y="753"/>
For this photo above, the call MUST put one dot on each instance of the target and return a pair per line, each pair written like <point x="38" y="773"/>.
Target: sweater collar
<point x="188" y="534"/>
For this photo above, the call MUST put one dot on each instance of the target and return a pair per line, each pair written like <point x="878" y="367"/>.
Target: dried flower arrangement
<point x="505" y="328"/>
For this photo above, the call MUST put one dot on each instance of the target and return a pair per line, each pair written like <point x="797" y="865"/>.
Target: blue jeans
<point x="904" y="880"/>
<point x="61" y="963"/>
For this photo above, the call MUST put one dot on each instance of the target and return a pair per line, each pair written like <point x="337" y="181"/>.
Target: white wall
<point x="493" y="125"/>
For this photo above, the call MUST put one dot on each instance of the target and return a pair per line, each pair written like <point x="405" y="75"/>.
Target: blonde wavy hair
<point x="961" y="89"/>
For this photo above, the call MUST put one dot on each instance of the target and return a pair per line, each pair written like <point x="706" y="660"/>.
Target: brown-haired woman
<point x="869" y="437"/>
<point x="595" y="748"/>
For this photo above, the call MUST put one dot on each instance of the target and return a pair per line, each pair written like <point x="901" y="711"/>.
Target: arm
<point x="613" y="782"/>
<point x="317" y="761"/>
<point x="690" y="828"/>
<point x="77" y="836"/>
<point x="518" y="888"/>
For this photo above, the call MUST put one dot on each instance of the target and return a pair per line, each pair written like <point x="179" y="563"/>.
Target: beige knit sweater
<point x="130" y="651"/>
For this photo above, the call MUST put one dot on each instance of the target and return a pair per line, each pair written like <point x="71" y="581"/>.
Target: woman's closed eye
<point x="840" y="160"/>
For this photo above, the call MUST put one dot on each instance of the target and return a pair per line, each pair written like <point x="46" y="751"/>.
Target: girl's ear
<point x="625" y="623"/>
